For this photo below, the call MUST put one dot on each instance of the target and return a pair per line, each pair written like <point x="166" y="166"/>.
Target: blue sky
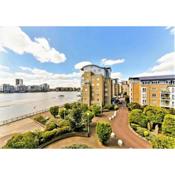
<point x="137" y="49"/>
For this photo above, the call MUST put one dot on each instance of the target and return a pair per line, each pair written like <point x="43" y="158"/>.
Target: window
<point x="153" y="95"/>
<point x="143" y="89"/>
<point x="173" y="97"/>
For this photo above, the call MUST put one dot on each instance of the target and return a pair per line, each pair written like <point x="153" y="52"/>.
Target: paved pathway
<point x="8" y="130"/>
<point x="123" y="131"/>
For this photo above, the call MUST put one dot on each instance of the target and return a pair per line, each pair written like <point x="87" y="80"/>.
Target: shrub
<point x="146" y="133"/>
<point x="75" y="118"/>
<point x="87" y="117"/>
<point x="116" y="107"/>
<point x="109" y="107"/>
<point x="25" y="140"/>
<point x="162" y="141"/>
<point x="63" y="112"/>
<point x="134" y="105"/>
<point x="136" y="116"/>
<point x="103" y="130"/>
<point x="142" y="131"/>
<point x="77" y="146"/>
<point x="96" y="109"/>
<point x="127" y="99"/>
<point x="40" y="119"/>
<point x="168" y="125"/>
<point x="155" y="114"/>
<point x="63" y="123"/>
<point x="47" y="135"/>
<point x="172" y="111"/>
<point x="67" y="106"/>
<point x="50" y="125"/>
<point x="54" y="110"/>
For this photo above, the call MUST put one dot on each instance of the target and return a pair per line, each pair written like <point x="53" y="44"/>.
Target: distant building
<point x="67" y="89"/>
<point x="96" y="85"/>
<point x="19" y="82"/>
<point x="153" y="90"/>
<point x="21" y="88"/>
<point x="125" y="87"/>
<point x="7" y="88"/>
<point x="44" y="87"/>
<point x="115" y="87"/>
<point x="34" y="88"/>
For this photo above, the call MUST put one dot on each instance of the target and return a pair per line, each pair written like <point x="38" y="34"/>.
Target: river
<point x="18" y="104"/>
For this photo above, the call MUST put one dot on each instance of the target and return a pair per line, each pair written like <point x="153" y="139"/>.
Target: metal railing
<point x="22" y="117"/>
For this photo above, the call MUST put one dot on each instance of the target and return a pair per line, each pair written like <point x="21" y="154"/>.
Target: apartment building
<point x="125" y="87"/>
<point x="96" y="85"/>
<point x="153" y="90"/>
<point x="115" y="87"/>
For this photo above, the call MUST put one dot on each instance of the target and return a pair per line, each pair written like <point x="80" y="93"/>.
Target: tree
<point x="103" y="130"/>
<point x="155" y="114"/>
<point x="75" y="118"/>
<point x="96" y="109"/>
<point x="54" y="110"/>
<point x="168" y="125"/>
<point x="136" y="116"/>
<point x="25" y="140"/>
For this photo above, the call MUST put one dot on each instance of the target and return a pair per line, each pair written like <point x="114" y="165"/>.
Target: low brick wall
<point x="67" y="135"/>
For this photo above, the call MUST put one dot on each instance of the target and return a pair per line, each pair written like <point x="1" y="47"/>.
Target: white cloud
<point x="116" y="75"/>
<point x="39" y="76"/>
<point x="15" y="39"/>
<point x="109" y="62"/>
<point x="164" y="66"/>
<point x="82" y="64"/>
<point x="4" y="68"/>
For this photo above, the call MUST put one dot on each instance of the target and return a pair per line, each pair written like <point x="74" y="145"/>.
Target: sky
<point x="54" y="55"/>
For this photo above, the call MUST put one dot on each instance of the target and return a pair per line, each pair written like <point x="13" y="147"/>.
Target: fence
<point x="25" y="116"/>
<point x="22" y="117"/>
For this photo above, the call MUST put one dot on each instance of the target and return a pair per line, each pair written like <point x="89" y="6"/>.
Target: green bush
<point x="40" y="119"/>
<point x="155" y="114"/>
<point x="67" y="106"/>
<point x="50" y="125"/>
<point x="77" y="146"/>
<point x="109" y="107"/>
<point x="142" y="131"/>
<point x="63" y="123"/>
<point x="134" y="105"/>
<point x="75" y="118"/>
<point x="87" y="117"/>
<point x="168" y="125"/>
<point x="162" y="141"/>
<point x="54" y="110"/>
<point x="116" y="107"/>
<point x="136" y="116"/>
<point x="47" y="135"/>
<point x="63" y="112"/>
<point x="103" y="130"/>
<point x="96" y="109"/>
<point x="25" y="140"/>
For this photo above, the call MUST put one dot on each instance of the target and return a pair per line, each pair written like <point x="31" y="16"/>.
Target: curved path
<point x="122" y="130"/>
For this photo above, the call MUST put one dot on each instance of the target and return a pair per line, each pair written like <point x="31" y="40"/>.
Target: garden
<point x="65" y="121"/>
<point x="155" y="124"/>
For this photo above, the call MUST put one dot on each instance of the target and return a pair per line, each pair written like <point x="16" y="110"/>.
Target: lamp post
<point x="64" y="113"/>
<point x="88" y="122"/>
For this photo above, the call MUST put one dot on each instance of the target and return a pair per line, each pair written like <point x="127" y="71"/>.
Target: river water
<point x="18" y="104"/>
